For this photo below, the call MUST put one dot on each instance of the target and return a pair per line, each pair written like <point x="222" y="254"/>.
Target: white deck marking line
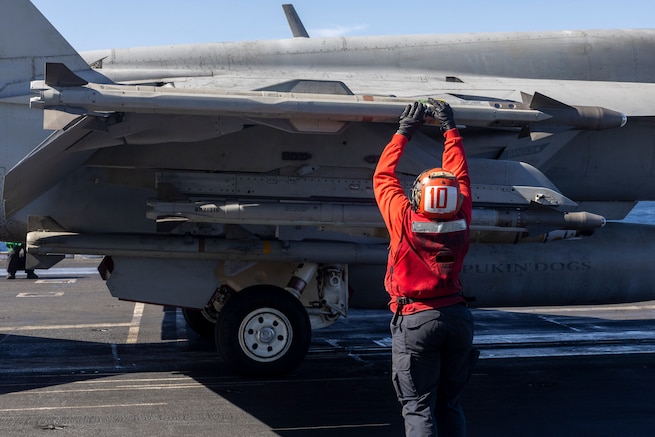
<point x="555" y="322"/>
<point x="125" y="388"/>
<point x="55" y="281"/>
<point x="133" y="334"/>
<point x="574" y="309"/>
<point x="56" y="327"/>
<point x="319" y="427"/>
<point x="113" y="381"/>
<point x="41" y="294"/>
<point x="82" y="407"/>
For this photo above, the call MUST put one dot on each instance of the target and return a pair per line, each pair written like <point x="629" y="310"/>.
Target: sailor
<point x="16" y="261"/>
<point x="432" y="327"/>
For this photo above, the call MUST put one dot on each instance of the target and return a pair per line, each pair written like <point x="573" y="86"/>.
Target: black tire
<point x="263" y="331"/>
<point x="199" y="322"/>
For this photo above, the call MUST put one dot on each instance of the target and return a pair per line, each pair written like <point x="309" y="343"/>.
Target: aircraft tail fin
<point x="27" y="42"/>
<point x="297" y="28"/>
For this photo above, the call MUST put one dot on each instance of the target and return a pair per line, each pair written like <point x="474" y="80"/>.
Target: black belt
<point x="404" y="300"/>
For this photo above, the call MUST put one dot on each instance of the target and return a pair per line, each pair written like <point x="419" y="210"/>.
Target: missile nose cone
<point x="584" y="220"/>
<point x="597" y="118"/>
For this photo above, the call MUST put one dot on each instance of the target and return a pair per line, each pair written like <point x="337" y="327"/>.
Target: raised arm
<point x="454" y="155"/>
<point x="389" y="193"/>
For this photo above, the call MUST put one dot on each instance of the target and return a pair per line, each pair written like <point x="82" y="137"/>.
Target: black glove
<point x="443" y="113"/>
<point x="411" y="119"/>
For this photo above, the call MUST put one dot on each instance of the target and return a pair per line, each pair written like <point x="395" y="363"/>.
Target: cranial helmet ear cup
<point x="415" y="194"/>
<point x="436" y="195"/>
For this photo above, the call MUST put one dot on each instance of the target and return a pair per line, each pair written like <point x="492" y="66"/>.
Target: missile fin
<point x="59" y="75"/>
<point x="540" y="101"/>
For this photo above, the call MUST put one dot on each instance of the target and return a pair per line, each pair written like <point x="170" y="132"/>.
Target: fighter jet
<point x="234" y="179"/>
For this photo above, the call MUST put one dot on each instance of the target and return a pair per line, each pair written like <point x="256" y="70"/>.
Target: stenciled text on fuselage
<point x="528" y="267"/>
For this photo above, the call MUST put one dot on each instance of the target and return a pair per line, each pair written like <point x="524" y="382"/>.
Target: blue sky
<point x="94" y="24"/>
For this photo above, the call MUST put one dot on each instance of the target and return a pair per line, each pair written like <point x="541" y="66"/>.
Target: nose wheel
<point x="263" y="331"/>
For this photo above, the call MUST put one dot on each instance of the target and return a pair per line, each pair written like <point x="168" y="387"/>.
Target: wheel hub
<point x="265" y="334"/>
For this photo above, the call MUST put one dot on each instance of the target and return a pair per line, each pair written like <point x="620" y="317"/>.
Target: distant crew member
<point x="16" y="261"/>
<point x="432" y="327"/>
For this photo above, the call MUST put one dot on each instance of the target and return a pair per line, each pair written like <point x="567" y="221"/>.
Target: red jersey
<point x="425" y="257"/>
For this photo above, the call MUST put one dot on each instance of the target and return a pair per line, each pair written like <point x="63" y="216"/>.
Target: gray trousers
<point x="432" y="360"/>
<point x="15" y="260"/>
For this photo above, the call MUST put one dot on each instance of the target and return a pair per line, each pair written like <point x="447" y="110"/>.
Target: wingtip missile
<point x="64" y="90"/>
<point x="577" y="117"/>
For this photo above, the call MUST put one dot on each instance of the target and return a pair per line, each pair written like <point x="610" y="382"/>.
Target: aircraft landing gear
<point x="263" y="331"/>
<point x="200" y="321"/>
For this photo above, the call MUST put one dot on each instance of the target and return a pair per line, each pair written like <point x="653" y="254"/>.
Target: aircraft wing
<point x="113" y="114"/>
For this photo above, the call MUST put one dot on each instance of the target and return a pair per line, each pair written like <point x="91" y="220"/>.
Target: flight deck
<point x="79" y="362"/>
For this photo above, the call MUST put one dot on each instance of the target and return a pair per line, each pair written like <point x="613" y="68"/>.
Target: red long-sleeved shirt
<point x="398" y="217"/>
